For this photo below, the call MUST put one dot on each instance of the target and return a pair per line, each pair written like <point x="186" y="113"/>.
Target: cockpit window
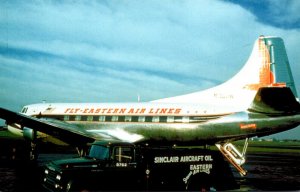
<point x="24" y="110"/>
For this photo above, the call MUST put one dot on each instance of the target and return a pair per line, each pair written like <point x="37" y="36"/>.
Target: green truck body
<point x="125" y="166"/>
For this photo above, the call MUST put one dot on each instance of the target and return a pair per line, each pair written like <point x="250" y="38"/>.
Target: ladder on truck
<point x="234" y="156"/>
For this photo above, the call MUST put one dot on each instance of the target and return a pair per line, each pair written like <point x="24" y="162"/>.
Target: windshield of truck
<point x="99" y="152"/>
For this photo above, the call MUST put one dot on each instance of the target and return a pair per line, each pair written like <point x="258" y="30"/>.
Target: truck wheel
<point x="199" y="182"/>
<point x="71" y="187"/>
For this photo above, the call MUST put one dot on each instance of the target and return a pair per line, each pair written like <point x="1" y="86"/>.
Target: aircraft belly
<point x="186" y="132"/>
<point x="175" y="132"/>
<point x="231" y="127"/>
<point x="277" y="124"/>
<point x="159" y="132"/>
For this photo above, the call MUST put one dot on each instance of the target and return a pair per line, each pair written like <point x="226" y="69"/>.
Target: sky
<point x="113" y="51"/>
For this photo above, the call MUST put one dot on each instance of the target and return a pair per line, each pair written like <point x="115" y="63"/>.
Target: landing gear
<point x="33" y="155"/>
<point x="234" y="156"/>
<point x="29" y="151"/>
<point x="31" y="140"/>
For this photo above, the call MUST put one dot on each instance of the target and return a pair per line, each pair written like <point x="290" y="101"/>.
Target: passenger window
<point x="163" y="119"/>
<point x="95" y="118"/>
<point x="148" y="118"/>
<point x="108" y="118"/>
<point x="134" y="119"/>
<point x="178" y="119"/>
<point x="71" y="118"/>
<point x="84" y="118"/>
<point x="121" y="118"/>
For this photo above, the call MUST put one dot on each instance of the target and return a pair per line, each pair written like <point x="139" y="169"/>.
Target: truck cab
<point x="107" y="163"/>
<point x="125" y="166"/>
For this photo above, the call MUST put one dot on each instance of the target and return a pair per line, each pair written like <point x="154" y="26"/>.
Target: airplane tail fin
<point x="274" y="68"/>
<point x="267" y="66"/>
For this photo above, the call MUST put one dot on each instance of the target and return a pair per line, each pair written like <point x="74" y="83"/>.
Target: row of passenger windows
<point x="150" y="119"/>
<point x="155" y="119"/>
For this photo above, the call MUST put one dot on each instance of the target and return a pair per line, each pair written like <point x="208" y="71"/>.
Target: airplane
<point x="259" y="100"/>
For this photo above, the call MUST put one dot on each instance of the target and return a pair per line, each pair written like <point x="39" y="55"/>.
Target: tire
<point x="73" y="186"/>
<point x="70" y="186"/>
<point x="199" y="182"/>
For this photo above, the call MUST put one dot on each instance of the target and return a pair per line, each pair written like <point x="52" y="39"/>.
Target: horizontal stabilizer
<point x="275" y="100"/>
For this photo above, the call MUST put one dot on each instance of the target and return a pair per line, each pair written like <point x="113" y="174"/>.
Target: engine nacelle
<point x="29" y="134"/>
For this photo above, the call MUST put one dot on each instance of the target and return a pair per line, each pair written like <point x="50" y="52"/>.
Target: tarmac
<point x="269" y="171"/>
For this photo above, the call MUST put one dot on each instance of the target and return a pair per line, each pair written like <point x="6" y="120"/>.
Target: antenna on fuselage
<point x="138" y="97"/>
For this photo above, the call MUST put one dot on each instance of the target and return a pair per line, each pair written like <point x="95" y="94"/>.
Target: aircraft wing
<point x="66" y="132"/>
